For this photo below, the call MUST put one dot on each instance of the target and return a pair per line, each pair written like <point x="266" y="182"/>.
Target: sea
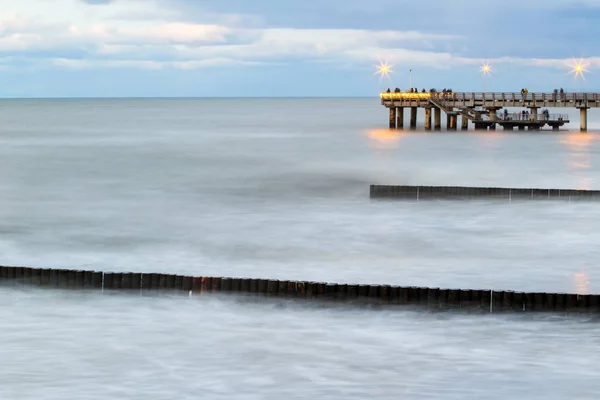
<point x="278" y="188"/>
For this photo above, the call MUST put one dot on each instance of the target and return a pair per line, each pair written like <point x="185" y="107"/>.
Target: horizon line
<point x="183" y="97"/>
<point x="374" y="96"/>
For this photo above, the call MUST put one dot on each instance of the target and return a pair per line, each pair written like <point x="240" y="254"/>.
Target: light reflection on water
<point x="582" y="283"/>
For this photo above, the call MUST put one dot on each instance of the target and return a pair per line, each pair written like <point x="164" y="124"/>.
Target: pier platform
<point x="483" y="109"/>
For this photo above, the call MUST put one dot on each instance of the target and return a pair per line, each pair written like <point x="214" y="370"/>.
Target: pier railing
<point x="493" y="96"/>
<point x="532" y="117"/>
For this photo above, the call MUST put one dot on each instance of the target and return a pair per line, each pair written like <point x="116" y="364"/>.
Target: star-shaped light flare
<point x="486" y="69"/>
<point x="578" y="68"/>
<point x="383" y="69"/>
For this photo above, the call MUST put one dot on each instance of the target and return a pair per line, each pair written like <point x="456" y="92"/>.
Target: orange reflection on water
<point x="582" y="283"/>
<point x="489" y="137"/>
<point x="580" y="161"/>
<point x="579" y="158"/>
<point x="584" y="184"/>
<point x="578" y="141"/>
<point x="384" y="138"/>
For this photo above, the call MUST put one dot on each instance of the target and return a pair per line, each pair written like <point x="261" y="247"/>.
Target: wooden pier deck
<point x="482" y="108"/>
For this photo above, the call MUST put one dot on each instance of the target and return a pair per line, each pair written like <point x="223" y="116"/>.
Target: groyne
<point x="471" y="192"/>
<point x="382" y="295"/>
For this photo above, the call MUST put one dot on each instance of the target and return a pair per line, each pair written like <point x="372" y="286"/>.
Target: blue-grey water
<point x="278" y="188"/>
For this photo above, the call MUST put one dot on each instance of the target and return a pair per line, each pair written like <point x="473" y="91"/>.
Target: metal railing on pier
<point x="532" y="117"/>
<point x="493" y="96"/>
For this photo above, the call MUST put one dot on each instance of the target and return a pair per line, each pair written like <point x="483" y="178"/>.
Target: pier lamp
<point x="383" y="69"/>
<point x="486" y="69"/>
<point x="578" y="68"/>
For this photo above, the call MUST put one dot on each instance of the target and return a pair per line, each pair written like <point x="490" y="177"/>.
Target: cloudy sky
<point x="89" y="48"/>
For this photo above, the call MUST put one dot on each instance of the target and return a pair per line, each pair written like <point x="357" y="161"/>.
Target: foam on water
<point x="96" y="346"/>
<point x="279" y="189"/>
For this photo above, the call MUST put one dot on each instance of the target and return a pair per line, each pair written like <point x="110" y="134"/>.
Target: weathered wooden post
<point x="392" y="118"/>
<point x="437" y="118"/>
<point x="413" y="117"/>
<point x="399" y="117"/>
<point x="428" y="118"/>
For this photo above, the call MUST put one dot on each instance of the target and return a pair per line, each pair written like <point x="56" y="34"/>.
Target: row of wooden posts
<point x="470" y="192"/>
<point x="385" y="295"/>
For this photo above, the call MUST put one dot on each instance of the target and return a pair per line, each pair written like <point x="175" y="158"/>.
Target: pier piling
<point x="583" y="119"/>
<point x="452" y="120"/>
<point x="437" y="118"/>
<point x="428" y="118"/>
<point x="465" y="123"/>
<point x="493" y="117"/>
<point x="392" y="118"/>
<point x="413" y="117"/>
<point x="399" y="117"/>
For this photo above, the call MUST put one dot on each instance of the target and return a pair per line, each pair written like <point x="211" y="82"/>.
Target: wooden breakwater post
<point x="380" y="295"/>
<point x="419" y="193"/>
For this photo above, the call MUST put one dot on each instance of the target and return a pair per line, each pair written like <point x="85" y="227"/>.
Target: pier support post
<point x="448" y="123"/>
<point x="437" y="118"/>
<point x="465" y="123"/>
<point x="533" y="117"/>
<point x="428" y="119"/>
<point x="453" y="123"/>
<point x="533" y="113"/>
<point x="392" y="118"/>
<point x="493" y="117"/>
<point x="413" y="117"/>
<point x="399" y="117"/>
<point x="583" y="119"/>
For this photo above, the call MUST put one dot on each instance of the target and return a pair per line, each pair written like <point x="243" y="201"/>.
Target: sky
<point x="263" y="48"/>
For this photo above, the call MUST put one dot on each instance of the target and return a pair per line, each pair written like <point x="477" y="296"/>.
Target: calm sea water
<point x="279" y="189"/>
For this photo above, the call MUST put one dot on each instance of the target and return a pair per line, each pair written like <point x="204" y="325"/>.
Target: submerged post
<point x="392" y="118"/>
<point x="413" y="117"/>
<point x="400" y="118"/>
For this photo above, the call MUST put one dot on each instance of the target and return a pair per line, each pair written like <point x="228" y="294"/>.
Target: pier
<point x="483" y="110"/>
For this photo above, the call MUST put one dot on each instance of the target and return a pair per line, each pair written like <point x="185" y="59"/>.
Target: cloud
<point x="161" y="34"/>
<point x="166" y="34"/>
<point x="149" y="64"/>
<point x="263" y="45"/>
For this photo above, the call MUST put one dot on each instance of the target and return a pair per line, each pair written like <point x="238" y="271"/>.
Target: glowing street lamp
<point x="578" y="68"/>
<point x="486" y="69"/>
<point x="383" y="69"/>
